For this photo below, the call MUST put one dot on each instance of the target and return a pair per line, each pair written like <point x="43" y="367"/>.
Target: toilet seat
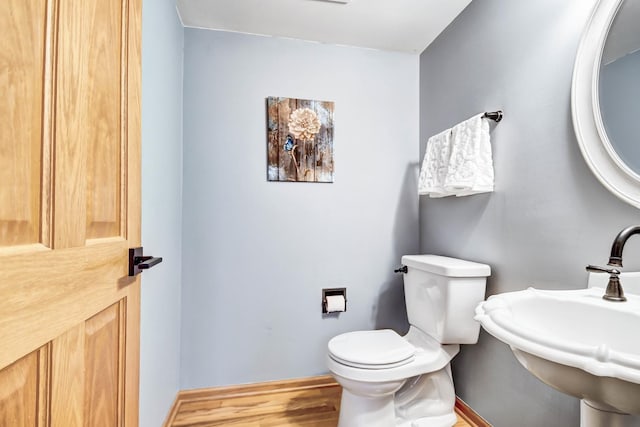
<point x="381" y="349"/>
<point x="428" y="356"/>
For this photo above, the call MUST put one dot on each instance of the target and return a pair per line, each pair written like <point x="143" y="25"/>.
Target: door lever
<point x="139" y="262"/>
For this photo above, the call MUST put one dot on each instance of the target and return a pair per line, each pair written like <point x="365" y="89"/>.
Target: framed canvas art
<point x="299" y="140"/>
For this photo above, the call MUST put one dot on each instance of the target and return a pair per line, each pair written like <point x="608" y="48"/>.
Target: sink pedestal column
<point x="593" y="417"/>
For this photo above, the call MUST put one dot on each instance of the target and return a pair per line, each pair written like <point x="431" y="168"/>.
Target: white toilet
<point x="390" y="380"/>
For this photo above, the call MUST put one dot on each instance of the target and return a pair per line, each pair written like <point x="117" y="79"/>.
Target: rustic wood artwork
<point x="299" y="140"/>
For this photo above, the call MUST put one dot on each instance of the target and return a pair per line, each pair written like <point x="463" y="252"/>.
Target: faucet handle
<point x="596" y="269"/>
<point x="614" y="290"/>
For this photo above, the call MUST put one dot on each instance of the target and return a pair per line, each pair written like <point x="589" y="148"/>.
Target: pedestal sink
<point x="576" y="342"/>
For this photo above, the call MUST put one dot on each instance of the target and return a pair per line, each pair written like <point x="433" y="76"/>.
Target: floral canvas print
<point x="300" y="140"/>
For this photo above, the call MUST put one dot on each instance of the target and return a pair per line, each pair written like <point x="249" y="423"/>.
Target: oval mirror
<point x="606" y="97"/>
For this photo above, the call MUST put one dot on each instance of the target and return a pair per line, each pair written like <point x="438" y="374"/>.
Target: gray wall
<point x="549" y="216"/>
<point x="256" y="253"/>
<point x="620" y="106"/>
<point x="162" y="42"/>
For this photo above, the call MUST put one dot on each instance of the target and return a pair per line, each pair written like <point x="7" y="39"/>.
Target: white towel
<point x="470" y="168"/>
<point x="434" y="165"/>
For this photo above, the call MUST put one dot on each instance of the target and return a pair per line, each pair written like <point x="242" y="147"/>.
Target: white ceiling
<point x="396" y="25"/>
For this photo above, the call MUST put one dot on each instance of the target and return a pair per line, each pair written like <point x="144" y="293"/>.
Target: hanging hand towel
<point x="434" y="165"/>
<point x="470" y="169"/>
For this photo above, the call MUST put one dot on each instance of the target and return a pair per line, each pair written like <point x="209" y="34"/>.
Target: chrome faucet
<point x="614" y="290"/>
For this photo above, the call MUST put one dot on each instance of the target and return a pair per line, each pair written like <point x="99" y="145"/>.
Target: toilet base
<point x="447" y="420"/>
<point x="360" y="411"/>
<point x="426" y="400"/>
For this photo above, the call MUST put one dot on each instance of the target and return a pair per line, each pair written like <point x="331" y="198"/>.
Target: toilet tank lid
<point x="445" y="266"/>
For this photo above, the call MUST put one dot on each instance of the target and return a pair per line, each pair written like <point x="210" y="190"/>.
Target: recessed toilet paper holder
<point x="332" y="292"/>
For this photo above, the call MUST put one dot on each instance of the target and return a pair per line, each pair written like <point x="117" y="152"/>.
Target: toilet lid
<point x="371" y="349"/>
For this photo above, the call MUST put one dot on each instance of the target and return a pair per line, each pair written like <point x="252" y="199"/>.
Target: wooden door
<point x="69" y="211"/>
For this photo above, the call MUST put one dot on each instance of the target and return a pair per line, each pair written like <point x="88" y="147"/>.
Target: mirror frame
<point x="594" y="143"/>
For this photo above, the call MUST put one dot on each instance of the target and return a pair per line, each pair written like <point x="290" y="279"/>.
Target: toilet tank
<point x="441" y="294"/>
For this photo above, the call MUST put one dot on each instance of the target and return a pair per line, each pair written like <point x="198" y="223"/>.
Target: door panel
<point x="91" y="91"/>
<point x="19" y="393"/>
<point x="103" y="356"/>
<point x="69" y="211"/>
<point x="22" y="59"/>
<point x="104" y="159"/>
<point x="86" y="373"/>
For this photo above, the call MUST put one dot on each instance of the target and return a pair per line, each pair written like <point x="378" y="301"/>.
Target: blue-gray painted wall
<point x="162" y="42"/>
<point x="256" y="253"/>
<point x="549" y="216"/>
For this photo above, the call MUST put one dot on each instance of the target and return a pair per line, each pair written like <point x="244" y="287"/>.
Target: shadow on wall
<point x="457" y="213"/>
<point x="390" y="311"/>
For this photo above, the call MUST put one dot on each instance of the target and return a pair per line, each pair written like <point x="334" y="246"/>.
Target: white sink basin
<point x="573" y="341"/>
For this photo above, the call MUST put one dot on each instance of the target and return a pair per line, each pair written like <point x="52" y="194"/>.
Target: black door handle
<point x="139" y="262"/>
<point x="146" y="262"/>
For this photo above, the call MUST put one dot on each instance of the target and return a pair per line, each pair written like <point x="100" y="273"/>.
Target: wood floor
<point x="309" y="402"/>
<point x="462" y="423"/>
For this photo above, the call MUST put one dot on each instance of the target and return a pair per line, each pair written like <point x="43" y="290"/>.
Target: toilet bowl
<point x="392" y="380"/>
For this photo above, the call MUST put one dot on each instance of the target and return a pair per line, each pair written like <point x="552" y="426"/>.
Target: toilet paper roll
<point x="336" y="303"/>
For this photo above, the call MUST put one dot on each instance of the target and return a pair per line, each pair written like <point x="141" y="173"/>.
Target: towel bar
<point x="496" y="116"/>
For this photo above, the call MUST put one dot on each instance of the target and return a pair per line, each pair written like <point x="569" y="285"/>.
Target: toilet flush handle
<point x="402" y="269"/>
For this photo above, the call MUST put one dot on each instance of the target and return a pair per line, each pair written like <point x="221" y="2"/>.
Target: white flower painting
<point x="299" y="140"/>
